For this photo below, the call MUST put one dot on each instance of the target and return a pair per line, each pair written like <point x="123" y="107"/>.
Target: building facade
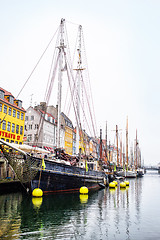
<point x="68" y="137"/>
<point x="12" y="117"/>
<point x="40" y="128"/>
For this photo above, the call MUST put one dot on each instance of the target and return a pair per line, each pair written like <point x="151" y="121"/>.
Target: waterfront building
<point x="54" y="112"/>
<point x="12" y="117"/>
<point x="41" y="127"/>
<point x="74" y="141"/>
<point x="68" y="137"/>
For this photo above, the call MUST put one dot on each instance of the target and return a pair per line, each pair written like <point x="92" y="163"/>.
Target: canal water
<point x="133" y="213"/>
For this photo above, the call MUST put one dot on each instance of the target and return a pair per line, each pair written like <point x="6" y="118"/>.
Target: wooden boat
<point x="50" y="175"/>
<point x="61" y="173"/>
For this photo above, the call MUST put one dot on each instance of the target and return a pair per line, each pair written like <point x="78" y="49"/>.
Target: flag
<point x="86" y="167"/>
<point x="43" y="164"/>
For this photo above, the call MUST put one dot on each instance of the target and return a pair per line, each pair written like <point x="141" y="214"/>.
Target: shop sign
<point x="9" y="135"/>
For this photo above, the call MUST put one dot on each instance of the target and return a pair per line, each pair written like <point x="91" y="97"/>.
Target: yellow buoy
<point x="127" y="183"/>
<point x="115" y="182"/>
<point x="37" y="202"/>
<point x="37" y="192"/>
<point x="112" y="185"/>
<point x="83" y="190"/>
<point x="83" y="198"/>
<point x="122" y="185"/>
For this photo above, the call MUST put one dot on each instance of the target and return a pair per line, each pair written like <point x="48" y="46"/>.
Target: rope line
<point x="37" y="63"/>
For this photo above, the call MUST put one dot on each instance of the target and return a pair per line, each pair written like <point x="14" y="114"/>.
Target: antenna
<point x="31" y="99"/>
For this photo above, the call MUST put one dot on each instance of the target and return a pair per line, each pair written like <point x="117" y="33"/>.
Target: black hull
<point x="58" y="177"/>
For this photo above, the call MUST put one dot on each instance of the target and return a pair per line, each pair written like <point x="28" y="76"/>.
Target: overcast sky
<point x="122" y="41"/>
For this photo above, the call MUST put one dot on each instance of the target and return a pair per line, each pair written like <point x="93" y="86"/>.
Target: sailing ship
<point x="125" y="172"/>
<point x="62" y="172"/>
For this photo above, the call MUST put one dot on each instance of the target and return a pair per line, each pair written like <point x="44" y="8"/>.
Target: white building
<point x="41" y="127"/>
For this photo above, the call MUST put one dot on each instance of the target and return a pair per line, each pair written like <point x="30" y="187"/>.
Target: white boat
<point x="127" y="174"/>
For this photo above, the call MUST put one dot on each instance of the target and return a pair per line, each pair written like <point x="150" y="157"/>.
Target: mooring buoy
<point x="83" y="190"/>
<point x="37" y="192"/>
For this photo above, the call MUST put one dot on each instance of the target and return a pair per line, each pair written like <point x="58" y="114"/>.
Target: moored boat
<point x="50" y="175"/>
<point x="58" y="173"/>
<point x="125" y="173"/>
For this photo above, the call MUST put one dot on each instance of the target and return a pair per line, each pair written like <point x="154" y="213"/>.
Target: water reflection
<point x="10" y="219"/>
<point x="106" y="214"/>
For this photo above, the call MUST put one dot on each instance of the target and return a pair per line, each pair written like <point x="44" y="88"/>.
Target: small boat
<point x="140" y="172"/>
<point x="130" y="174"/>
<point x="125" y="173"/>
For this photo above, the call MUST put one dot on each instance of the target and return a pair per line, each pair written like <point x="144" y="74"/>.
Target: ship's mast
<point x="61" y="50"/>
<point x="117" y="144"/>
<point x="136" y="150"/>
<point x="127" y="143"/>
<point x="79" y="68"/>
<point x="121" y="150"/>
<point x="106" y="142"/>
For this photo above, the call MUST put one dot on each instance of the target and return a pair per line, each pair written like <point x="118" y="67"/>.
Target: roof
<point x="66" y="119"/>
<point x="48" y="114"/>
<point x="6" y="93"/>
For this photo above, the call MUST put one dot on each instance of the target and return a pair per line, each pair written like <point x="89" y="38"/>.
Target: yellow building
<point x="12" y="118"/>
<point x="68" y="137"/>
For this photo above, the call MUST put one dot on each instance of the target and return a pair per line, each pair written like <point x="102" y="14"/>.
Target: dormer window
<point x="11" y="99"/>
<point x="2" y="94"/>
<point x="18" y="103"/>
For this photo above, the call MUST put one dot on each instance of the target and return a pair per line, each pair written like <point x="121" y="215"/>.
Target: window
<point x="5" y="109"/>
<point x="0" y="107"/>
<point x="36" y="126"/>
<point x="21" y="130"/>
<point x="22" y="116"/>
<point x="26" y="118"/>
<point x="19" y="103"/>
<point x="12" y="141"/>
<point x="7" y="140"/>
<point x="17" y="129"/>
<point x="4" y="125"/>
<point x="29" y="137"/>
<point x="30" y="127"/>
<point x="35" y="137"/>
<point x="14" y="113"/>
<point x="18" y="114"/>
<point x="13" y="127"/>
<point x="10" y="111"/>
<point x="11" y="99"/>
<point x="32" y="117"/>
<point x="9" y="127"/>
<point x="2" y="94"/>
